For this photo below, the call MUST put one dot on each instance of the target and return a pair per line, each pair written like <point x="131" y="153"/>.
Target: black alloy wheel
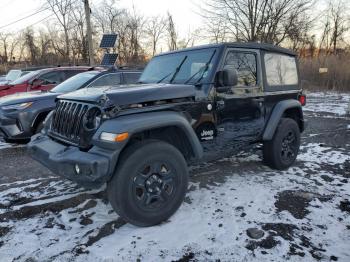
<point x="281" y="152"/>
<point x="149" y="184"/>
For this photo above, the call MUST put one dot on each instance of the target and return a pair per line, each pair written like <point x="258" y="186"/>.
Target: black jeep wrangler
<point x="190" y="105"/>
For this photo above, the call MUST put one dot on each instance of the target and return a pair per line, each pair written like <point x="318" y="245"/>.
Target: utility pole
<point x="88" y="31"/>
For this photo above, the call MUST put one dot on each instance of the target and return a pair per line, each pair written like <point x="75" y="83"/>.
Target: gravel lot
<point x="236" y="209"/>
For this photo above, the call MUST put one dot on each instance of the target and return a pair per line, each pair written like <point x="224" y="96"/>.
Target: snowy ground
<point x="4" y="145"/>
<point x="303" y="213"/>
<point x="332" y="103"/>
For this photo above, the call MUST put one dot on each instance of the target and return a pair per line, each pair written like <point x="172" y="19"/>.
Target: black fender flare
<point x="276" y="114"/>
<point x="136" y="123"/>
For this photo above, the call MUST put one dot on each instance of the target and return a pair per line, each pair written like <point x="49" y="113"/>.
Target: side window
<point x="54" y="77"/>
<point x="106" y="80"/>
<point x="280" y="69"/>
<point x="245" y="66"/>
<point x="131" y="78"/>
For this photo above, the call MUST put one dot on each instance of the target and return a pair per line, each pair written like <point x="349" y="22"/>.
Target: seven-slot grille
<point x="67" y="121"/>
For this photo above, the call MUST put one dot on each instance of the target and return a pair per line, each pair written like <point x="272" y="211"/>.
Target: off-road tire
<point x="272" y="149"/>
<point x="125" y="194"/>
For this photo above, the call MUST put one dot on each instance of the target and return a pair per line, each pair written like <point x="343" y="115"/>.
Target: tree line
<point x="63" y="39"/>
<point x="316" y="29"/>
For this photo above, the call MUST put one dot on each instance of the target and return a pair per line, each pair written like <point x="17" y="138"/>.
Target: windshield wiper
<point x="204" y="68"/>
<point x="173" y="73"/>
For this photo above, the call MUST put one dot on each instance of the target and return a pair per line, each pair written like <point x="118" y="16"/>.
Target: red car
<point x="44" y="79"/>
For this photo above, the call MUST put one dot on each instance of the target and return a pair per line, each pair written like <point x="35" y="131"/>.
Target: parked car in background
<point x="2" y="78"/>
<point x="41" y="80"/>
<point x="22" y="115"/>
<point x="12" y="75"/>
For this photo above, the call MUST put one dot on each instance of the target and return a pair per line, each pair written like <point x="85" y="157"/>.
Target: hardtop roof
<point x="247" y="45"/>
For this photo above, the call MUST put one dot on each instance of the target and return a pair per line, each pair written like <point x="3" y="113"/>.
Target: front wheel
<point x="150" y="183"/>
<point x="281" y="152"/>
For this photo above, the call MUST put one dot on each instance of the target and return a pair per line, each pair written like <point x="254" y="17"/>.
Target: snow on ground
<point x="62" y="222"/>
<point x="303" y="213"/>
<point x="4" y="145"/>
<point x="333" y="103"/>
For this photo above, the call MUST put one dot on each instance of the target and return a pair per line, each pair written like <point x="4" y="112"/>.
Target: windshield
<point x="74" y="83"/>
<point x="13" y="75"/>
<point x="179" y="67"/>
<point x="24" y="78"/>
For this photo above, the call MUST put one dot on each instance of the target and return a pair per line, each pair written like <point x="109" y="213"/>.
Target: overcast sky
<point x="183" y="12"/>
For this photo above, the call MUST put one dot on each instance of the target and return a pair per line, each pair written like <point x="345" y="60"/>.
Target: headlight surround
<point x="92" y="119"/>
<point x="19" y="106"/>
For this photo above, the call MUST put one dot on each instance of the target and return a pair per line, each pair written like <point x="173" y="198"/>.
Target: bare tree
<point x="44" y="46"/>
<point x="63" y="11"/>
<point x="335" y="24"/>
<point x="31" y="45"/>
<point x="216" y="30"/>
<point x="172" y="34"/>
<point x="4" y="39"/>
<point x="8" y="45"/>
<point x="298" y="32"/>
<point x="338" y="12"/>
<point x="155" y="29"/>
<point x="190" y="39"/>
<point x="136" y="27"/>
<point x="79" y="43"/>
<point x="107" y="15"/>
<point x="257" y="20"/>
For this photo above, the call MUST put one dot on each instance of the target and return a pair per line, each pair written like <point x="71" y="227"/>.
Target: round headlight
<point x="92" y="118"/>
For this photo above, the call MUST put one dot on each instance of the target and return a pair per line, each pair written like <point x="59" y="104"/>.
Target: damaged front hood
<point x="131" y="94"/>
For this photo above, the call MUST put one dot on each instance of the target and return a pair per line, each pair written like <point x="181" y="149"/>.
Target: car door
<point x="240" y="110"/>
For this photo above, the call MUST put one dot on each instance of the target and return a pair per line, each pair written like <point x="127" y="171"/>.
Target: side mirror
<point x="225" y="79"/>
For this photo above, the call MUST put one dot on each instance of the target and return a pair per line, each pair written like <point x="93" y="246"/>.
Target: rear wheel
<point x="150" y="183"/>
<point x="281" y="152"/>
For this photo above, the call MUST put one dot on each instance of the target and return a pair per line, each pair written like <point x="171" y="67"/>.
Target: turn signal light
<point x="302" y="99"/>
<point x="111" y="137"/>
<point x="121" y="137"/>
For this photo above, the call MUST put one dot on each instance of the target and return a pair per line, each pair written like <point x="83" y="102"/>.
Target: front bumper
<point x="12" y="128"/>
<point x="95" y="166"/>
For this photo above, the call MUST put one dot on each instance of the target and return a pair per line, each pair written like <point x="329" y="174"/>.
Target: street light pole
<point x="88" y="32"/>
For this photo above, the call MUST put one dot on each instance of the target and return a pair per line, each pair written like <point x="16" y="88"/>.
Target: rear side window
<point x="106" y="80"/>
<point x="245" y="66"/>
<point x="280" y="70"/>
<point x="131" y="78"/>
